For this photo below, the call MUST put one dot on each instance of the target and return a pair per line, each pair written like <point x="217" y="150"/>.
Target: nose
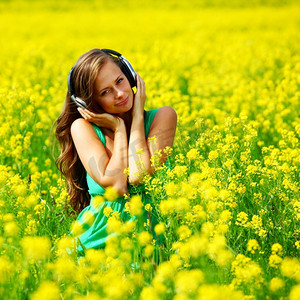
<point x="119" y="93"/>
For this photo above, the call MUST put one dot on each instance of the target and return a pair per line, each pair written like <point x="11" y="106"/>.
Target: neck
<point x="127" y="118"/>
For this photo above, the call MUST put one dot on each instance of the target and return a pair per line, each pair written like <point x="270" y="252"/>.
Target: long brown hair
<point x="83" y="78"/>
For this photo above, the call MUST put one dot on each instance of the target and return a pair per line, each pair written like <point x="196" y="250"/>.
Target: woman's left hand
<point x="139" y="97"/>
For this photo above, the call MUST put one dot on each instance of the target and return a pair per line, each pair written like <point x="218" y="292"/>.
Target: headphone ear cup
<point x="131" y="78"/>
<point x="125" y="66"/>
<point x="79" y="102"/>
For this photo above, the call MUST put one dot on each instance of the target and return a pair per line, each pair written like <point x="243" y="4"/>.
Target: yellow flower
<point x="11" y="229"/>
<point x="182" y="204"/>
<point x="192" y="154"/>
<point x="95" y="257"/>
<point x="180" y="171"/>
<point x="274" y="260"/>
<point x="65" y="269"/>
<point x="76" y="229"/>
<point x="65" y="246"/>
<point x="167" y="206"/>
<point x="218" y="292"/>
<point x="149" y="293"/>
<point x="107" y="211"/>
<point x="252" y="246"/>
<point x="111" y="194"/>
<point x="126" y="243"/>
<point x="6" y="268"/>
<point x="144" y="238"/>
<point x="31" y="200"/>
<point x="36" y="247"/>
<point x="295" y="292"/>
<point x="184" y="232"/>
<point x="48" y="290"/>
<point x="88" y="217"/>
<point x="171" y="188"/>
<point x="159" y="228"/>
<point x="148" y="250"/>
<point x="213" y="155"/>
<point x="8" y="217"/>
<point x="290" y="267"/>
<point x="135" y="205"/>
<point x="128" y="226"/>
<point x="188" y="281"/>
<point x="20" y="189"/>
<point x="114" y="225"/>
<point x="277" y="249"/>
<point x="276" y="284"/>
<point x="165" y="271"/>
<point x="148" y="207"/>
<point x="242" y="219"/>
<point x="246" y="271"/>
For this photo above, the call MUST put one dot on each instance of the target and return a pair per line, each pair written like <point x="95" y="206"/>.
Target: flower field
<point x="228" y="209"/>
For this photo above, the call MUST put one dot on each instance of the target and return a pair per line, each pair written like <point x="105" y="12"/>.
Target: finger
<point x="141" y="85"/>
<point x="84" y="114"/>
<point x="89" y="114"/>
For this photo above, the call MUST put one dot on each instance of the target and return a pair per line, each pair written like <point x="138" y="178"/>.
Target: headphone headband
<point x="125" y="66"/>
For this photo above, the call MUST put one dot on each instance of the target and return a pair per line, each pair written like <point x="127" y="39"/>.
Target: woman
<point x="104" y="130"/>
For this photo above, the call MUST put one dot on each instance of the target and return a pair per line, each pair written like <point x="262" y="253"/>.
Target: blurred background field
<point x="231" y="70"/>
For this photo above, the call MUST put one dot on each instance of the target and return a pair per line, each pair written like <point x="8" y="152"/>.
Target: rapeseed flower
<point x="159" y="228"/>
<point x="36" y="247"/>
<point x="290" y="267"/>
<point x="111" y="194"/>
<point x="188" y="281"/>
<point x="114" y="225"/>
<point x="184" y="232"/>
<point x="6" y="268"/>
<point x="135" y="205"/>
<point x="47" y="290"/>
<point x="65" y="246"/>
<point x="64" y="269"/>
<point x="144" y="238"/>
<point x="275" y="260"/>
<point x="276" y="284"/>
<point x="149" y="293"/>
<point x="294" y="293"/>
<point x="192" y="154"/>
<point x="252" y="246"/>
<point x="11" y="229"/>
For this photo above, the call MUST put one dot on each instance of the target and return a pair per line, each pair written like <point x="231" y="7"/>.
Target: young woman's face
<point x="112" y="90"/>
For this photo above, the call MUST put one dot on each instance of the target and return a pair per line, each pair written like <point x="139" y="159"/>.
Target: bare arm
<point x="105" y="170"/>
<point x="163" y="128"/>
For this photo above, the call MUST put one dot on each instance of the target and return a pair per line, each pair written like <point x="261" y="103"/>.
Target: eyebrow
<point x="118" y="77"/>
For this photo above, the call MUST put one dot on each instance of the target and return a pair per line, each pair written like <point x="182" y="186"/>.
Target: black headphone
<point x="125" y="66"/>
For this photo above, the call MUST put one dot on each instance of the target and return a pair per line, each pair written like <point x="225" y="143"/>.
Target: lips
<point x="122" y="102"/>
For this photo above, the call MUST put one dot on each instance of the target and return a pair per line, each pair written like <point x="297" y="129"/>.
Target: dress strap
<point x="148" y="119"/>
<point x="100" y="134"/>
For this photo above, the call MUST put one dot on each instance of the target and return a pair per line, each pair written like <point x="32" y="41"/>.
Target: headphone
<point x="125" y="66"/>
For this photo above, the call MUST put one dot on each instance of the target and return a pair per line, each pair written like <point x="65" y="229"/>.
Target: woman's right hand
<point x="102" y="120"/>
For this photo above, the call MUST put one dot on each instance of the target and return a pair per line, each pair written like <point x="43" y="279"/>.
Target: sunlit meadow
<point x="228" y="209"/>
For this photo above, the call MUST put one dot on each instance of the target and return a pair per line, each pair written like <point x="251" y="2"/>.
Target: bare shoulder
<point x="81" y="126"/>
<point x="164" y="123"/>
<point x="167" y="114"/>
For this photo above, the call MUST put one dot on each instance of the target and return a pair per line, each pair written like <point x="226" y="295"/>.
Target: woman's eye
<point x="120" y="80"/>
<point x="104" y="93"/>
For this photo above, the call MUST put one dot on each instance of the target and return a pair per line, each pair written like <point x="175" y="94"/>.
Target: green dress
<point x="95" y="234"/>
